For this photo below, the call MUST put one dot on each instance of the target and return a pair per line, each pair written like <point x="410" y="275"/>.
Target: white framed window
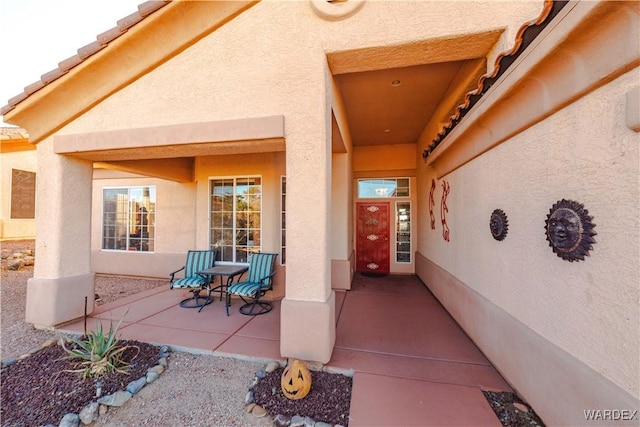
<point x="380" y="188"/>
<point x="235" y="217"/>
<point x="128" y="218"/>
<point x="283" y="220"/>
<point x="403" y="232"/>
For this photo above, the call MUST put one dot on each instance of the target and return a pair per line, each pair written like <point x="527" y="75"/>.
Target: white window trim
<point x="394" y="178"/>
<point x="127" y="187"/>
<point x="234" y="178"/>
<point x="396" y="231"/>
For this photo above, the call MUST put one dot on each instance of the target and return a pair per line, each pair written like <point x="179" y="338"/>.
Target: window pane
<point x="383" y="187"/>
<point x="403" y="232"/>
<point x="216" y="220"/>
<point x="227" y="253"/>
<point x="227" y="237"/>
<point x="242" y="203"/>
<point x="403" y="187"/>
<point x="241" y="237"/>
<point x="227" y="220"/>
<point x="404" y="247"/>
<point x="404" y="257"/>
<point x="242" y="255"/>
<point x="253" y="219"/>
<point x="216" y="238"/>
<point x="254" y="202"/>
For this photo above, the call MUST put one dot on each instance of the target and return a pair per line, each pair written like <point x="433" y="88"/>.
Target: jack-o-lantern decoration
<point x="296" y="380"/>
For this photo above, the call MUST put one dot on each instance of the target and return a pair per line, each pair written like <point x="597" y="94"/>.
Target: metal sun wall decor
<point x="569" y="230"/>
<point x="432" y="203"/>
<point x="444" y="209"/>
<point x="499" y="224"/>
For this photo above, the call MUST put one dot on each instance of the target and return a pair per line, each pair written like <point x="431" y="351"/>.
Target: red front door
<point x="372" y="243"/>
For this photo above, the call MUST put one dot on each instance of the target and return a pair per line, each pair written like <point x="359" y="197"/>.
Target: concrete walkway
<point x="413" y="364"/>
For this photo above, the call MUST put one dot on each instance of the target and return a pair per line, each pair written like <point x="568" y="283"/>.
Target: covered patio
<point x="412" y="363"/>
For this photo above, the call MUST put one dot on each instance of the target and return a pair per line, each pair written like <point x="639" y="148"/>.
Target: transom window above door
<point x="235" y="219"/>
<point x="379" y="188"/>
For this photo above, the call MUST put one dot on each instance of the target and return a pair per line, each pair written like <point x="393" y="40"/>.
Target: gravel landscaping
<point x="196" y="390"/>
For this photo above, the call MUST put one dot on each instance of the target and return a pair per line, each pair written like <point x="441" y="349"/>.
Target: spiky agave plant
<point x="99" y="352"/>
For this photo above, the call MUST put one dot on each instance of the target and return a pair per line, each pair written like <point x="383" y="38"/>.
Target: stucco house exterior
<point x="363" y="136"/>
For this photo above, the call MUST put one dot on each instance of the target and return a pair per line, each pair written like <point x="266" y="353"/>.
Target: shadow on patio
<point x="413" y="364"/>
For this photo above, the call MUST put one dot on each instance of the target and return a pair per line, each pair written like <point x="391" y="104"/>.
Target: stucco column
<point x="342" y="259"/>
<point x="62" y="273"/>
<point x="307" y="329"/>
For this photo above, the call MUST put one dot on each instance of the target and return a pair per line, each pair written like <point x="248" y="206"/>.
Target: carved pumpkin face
<point x="296" y="380"/>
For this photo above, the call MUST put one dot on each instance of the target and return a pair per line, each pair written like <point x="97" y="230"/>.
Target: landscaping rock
<point x="70" y="420"/>
<point x="89" y="413"/>
<point x="118" y="398"/>
<point x="135" y="386"/>
<point x="272" y="366"/>
<point x="282" y="421"/>
<point x="258" y="411"/>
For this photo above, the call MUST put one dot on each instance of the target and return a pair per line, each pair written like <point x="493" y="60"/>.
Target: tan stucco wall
<point x="546" y="323"/>
<point x="182" y="217"/>
<point x="174" y="222"/>
<point x="250" y="68"/>
<point x="62" y="278"/>
<point x="11" y="228"/>
<point x="589" y="309"/>
<point x="342" y="229"/>
<point x="384" y="158"/>
<point x="232" y="89"/>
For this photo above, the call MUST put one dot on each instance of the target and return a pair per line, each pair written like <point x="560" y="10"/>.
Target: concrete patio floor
<point x="413" y="365"/>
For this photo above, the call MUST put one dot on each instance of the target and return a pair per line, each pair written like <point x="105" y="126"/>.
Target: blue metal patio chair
<point x="259" y="280"/>
<point x="196" y="283"/>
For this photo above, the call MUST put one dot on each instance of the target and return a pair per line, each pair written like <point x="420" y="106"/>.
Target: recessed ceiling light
<point x="396" y="83"/>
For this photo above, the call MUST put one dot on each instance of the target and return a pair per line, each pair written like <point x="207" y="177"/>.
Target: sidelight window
<point x="403" y="232"/>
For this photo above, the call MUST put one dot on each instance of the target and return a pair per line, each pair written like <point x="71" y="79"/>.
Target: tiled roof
<point x="526" y="34"/>
<point x="11" y="133"/>
<point x="102" y="41"/>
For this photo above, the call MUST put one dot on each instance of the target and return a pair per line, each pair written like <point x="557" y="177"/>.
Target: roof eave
<point x="113" y="62"/>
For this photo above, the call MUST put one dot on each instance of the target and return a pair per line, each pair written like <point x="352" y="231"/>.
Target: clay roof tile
<point x="102" y="40"/>
<point x="109" y="35"/>
<point x="525" y="35"/>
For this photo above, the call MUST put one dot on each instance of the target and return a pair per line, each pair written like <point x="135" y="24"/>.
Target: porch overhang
<point x="169" y="151"/>
<point x="542" y="81"/>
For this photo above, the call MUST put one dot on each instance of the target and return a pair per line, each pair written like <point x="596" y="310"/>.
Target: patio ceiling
<point x="392" y="93"/>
